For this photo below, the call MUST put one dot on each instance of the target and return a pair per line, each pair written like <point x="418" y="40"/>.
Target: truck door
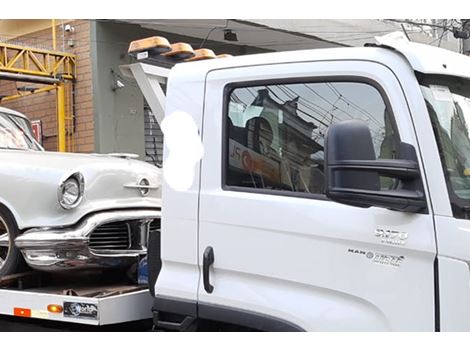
<point x="274" y="252"/>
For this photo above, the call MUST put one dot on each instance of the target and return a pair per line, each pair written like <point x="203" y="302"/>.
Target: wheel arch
<point x="9" y="209"/>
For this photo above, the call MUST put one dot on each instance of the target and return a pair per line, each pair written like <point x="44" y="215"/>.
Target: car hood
<point x="30" y="181"/>
<point x="61" y="161"/>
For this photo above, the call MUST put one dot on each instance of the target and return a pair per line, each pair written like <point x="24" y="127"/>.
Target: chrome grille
<point x="155" y="225"/>
<point x="114" y="236"/>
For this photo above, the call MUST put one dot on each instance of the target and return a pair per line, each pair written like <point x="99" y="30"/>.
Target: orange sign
<point x="248" y="160"/>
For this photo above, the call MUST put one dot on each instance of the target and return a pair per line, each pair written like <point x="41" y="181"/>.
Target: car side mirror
<point x="353" y="172"/>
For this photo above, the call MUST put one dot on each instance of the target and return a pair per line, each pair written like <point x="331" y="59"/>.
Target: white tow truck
<point x="333" y="191"/>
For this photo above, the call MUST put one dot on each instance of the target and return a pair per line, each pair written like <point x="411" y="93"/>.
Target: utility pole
<point x="464" y="33"/>
<point x="466" y="39"/>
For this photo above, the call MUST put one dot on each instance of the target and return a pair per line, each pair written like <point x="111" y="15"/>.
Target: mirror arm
<point x="408" y="201"/>
<point x="404" y="194"/>
<point x="403" y="169"/>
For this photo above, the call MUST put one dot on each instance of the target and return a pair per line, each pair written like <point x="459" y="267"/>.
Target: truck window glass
<point x="275" y="133"/>
<point x="448" y="102"/>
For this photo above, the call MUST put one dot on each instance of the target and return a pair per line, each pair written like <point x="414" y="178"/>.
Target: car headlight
<point x="70" y="192"/>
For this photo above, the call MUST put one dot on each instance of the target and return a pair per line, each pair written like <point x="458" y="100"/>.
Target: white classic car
<point x="61" y="211"/>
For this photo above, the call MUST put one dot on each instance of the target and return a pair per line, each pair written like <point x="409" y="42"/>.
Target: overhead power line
<point x="420" y="24"/>
<point x="455" y="26"/>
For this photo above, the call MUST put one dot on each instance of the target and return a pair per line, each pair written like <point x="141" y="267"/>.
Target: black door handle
<point x="207" y="261"/>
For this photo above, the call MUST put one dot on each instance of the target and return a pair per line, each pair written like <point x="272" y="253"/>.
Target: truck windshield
<point x="16" y="133"/>
<point x="448" y="102"/>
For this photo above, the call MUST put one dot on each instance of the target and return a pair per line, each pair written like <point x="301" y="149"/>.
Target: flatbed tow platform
<point x="92" y="299"/>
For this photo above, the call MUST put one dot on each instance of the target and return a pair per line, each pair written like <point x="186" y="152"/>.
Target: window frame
<point x="230" y="87"/>
<point x="456" y="203"/>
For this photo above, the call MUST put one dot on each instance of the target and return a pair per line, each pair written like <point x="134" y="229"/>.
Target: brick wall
<point x="42" y="106"/>
<point x="84" y="136"/>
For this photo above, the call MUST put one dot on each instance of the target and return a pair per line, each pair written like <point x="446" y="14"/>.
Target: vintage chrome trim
<point x="55" y="249"/>
<point x="97" y="237"/>
<point x="81" y="189"/>
<point x="143" y="185"/>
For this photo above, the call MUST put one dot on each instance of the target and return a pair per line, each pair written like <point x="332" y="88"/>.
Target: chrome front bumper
<point x="59" y="249"/>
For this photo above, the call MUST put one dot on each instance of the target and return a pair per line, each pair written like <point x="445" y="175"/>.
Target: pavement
<point x="16" y="324"/>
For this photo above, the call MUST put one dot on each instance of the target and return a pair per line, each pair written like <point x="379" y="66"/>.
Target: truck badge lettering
<point x="379" y="258"/>
<point x="391" y="237"/>
<point x="385" y="259"/>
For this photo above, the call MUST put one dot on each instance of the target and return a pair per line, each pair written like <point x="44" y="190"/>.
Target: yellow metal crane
<point x="53" y="68"/>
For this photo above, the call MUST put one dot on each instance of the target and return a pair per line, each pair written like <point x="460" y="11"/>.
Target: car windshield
<point x="448" y="102"/>
<point x="16" y="133"/>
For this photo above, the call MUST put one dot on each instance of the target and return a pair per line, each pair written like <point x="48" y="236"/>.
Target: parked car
<point x="61" y="211"/>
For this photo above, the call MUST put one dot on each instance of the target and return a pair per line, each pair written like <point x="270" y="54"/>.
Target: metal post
<point x="466" y="41"/>
<point x="61" y="116"/>
<point x="466" y="46"/>
<point x="54" y="46"/>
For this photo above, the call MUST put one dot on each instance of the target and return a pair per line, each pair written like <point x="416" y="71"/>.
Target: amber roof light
<point x="160" y="46"/>
<point x="154" y="45"/>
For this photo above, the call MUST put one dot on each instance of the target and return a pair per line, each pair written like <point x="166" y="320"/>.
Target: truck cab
<point x="269" y="237"/>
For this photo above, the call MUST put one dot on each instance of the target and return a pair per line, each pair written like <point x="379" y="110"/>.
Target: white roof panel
<point x="420" y="57"/>
<point x="426" y="58"/>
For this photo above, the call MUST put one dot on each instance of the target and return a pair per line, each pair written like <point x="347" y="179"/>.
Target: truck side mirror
<point x="353" y="172"/>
